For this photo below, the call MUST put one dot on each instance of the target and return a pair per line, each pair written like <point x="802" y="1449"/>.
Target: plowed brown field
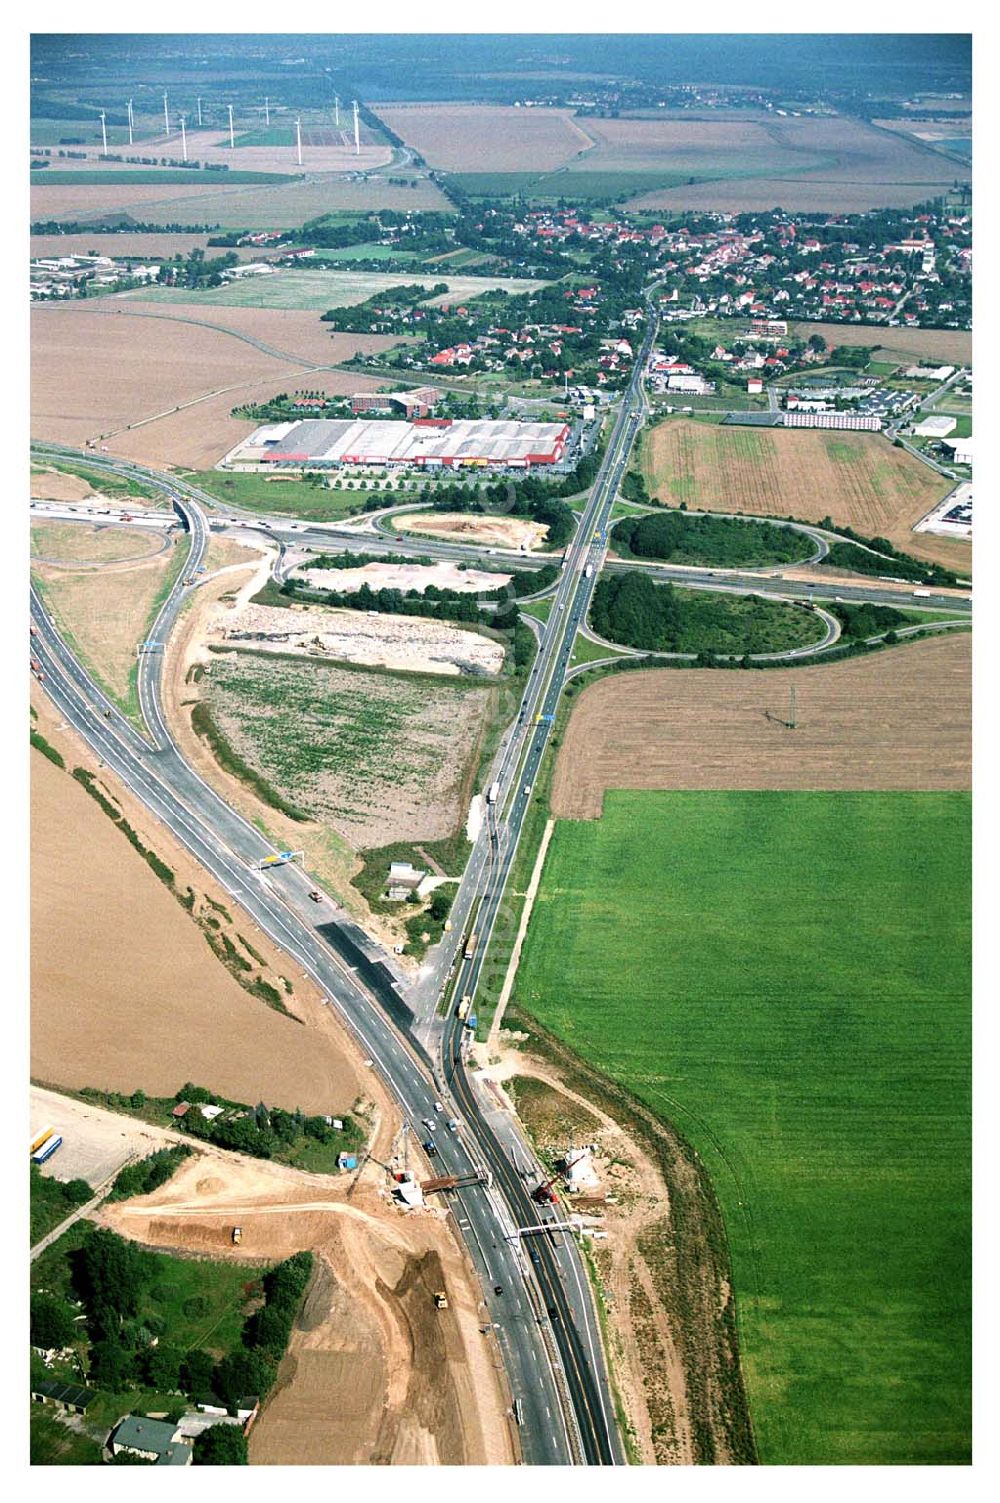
<point x="857" y="479"/>
<point x="900" y="719"/>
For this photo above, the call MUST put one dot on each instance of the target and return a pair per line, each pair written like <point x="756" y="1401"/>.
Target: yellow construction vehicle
<point x="440" y="1300"/>
<point x="237" y="1235"/>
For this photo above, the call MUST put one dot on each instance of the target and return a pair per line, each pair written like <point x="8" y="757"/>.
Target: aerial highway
<point x="564" y="1417"/>
<point x="537" y="1300"/>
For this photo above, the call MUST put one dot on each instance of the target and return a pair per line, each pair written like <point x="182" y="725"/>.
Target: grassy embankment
<point x="785" y="977"/>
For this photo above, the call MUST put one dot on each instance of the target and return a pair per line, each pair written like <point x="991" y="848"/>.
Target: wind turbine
<point x="130" y="122"/>
<point x="232" y="143"/>
<point x="267" y="114"/>
<point x="357" y="137"/>
<point x="166" y="115"/>
<point x="184" y="144"/>
<point x="199" y="114"/>
<point x="298" y="139"/>
<point x="336" y="110"/>
<point x="104" y="134"/>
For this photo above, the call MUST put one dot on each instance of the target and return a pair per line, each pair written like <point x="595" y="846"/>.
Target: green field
<point x="576" y="186"/>
<point x="320" y="290"/>
<point x="285" y="498"/>
<point x="785" y="977"/>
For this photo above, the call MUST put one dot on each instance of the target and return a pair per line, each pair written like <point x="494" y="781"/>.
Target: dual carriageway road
<point x="544" y="1320"/>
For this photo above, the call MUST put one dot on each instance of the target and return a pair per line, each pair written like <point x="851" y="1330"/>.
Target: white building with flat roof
<point x="938" y="425"/>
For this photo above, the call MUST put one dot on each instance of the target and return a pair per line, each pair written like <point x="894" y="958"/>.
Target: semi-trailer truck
<point x="463" y="1006"/>
<point x="588" y="571"/>
<point x="470" y="946"/>
<point x="40" y="1138"/>
<point x="47" y="1149"/>
<point x="493" y="793"/>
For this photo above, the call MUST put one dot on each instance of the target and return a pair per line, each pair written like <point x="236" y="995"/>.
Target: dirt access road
<point x="375" y="1374"/>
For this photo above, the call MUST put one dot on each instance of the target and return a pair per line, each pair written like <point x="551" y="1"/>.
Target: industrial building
<point x="427" y="443"/>
<point x="416" y="403"/>
<point x="862" y="421"/>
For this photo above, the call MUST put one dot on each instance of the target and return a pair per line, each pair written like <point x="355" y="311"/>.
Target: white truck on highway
<point x="493" y="793"/>
<point x="588" y="571"/>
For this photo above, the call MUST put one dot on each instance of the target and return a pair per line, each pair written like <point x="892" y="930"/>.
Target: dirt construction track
<point x="374" y="1373"/>
<point x="899" y="719"/>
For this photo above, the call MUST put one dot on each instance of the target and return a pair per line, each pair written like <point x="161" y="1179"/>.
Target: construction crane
<point x="543" y="1193"/>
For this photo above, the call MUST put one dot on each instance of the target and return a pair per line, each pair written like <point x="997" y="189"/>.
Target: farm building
<point x="425" y="443"/>
<point x="150" y="1440"/>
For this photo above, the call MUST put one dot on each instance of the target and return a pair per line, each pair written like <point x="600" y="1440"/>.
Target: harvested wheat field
<point x="816" y="164"/>
<point x="493" y="532"/>
<point x="927" y="346"/>
<point x="126" y="992"/>
<point x="374" y="1373"/>
<point x="281" y="205"/>
<point x="134" y="243"/>
<point x="900" y="719"/>
<point x="857" y="479"/>
<point x="487" y="137"/>
<point x="161" y="388"/>
<point x="102" y="586"/>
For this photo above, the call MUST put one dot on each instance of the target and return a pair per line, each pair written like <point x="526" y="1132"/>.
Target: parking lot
<point x="96" y="1143"/>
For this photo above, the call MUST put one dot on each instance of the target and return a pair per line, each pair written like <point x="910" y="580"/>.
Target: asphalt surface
<point x="543" y="1321"/>
<point x="538" y="1355"/>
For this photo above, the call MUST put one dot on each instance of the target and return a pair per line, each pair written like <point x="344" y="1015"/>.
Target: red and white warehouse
<point x="427" y="443"/>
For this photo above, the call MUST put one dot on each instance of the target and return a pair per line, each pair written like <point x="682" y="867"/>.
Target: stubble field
<point x="488" y="138"/>
<point x="319" y="290"/>
<point x="281" y="206"/>
<point x="897" y="720"/>
<point x="930" y="346"/>
<point x="120" y="372"/>
<point x="857" y="479"/>
<point x="126" y="992"/>
<point x="785" y="977"/>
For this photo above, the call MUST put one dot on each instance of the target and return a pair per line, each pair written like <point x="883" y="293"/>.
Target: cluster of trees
<point x="266" y="1132"/>
<point x="394" y="302"/>
<point x="866" y="620"/>
<point x="731" y="542"/>
<point x="149" y="1173"/>
<point x="438" y="604"/>
<point x="896" y="565"/>
<point x="631" y="610"/>
<point x="541" y="500"/>
<point x="195" y="271"/>
<point x="120" y="225"/>
<point x="116" y="1284"/>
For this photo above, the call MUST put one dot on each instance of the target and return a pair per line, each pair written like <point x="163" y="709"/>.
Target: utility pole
<point x="791" y="707"/>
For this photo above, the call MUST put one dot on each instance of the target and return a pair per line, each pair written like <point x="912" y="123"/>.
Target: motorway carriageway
<point x="278" y="902"/>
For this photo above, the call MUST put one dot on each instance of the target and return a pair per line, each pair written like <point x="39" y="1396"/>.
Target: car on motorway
<point x="316" y="895"/>
<point x="553" y="1313"/>
<point x="438" y="1107"/>
<point x="429" y="1122"/>
<point x="430" y="1148"/>
<point x="453" y="1124"/>
<point x="498" y="1289"/>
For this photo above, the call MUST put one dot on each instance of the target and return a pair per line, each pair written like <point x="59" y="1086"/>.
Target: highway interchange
<point x="543" y="1321"/>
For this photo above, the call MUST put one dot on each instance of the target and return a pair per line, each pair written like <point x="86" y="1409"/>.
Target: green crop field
<point x="286" y="498"/>
<point x="785" y="976"/>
